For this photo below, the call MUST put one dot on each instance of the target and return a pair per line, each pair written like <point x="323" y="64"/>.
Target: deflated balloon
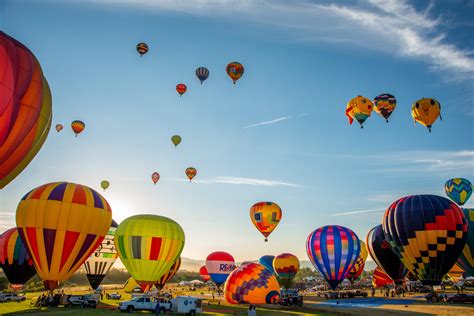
<point x="104" y="184"/>
<point x="61" y="225"/>
<point x="142" y="49"/>
<point x="25" y="108"/>
<point x="379" y="249"/>
<point x="191" y="173"/>
<point x="181" y="88"/>
<point x="380" y="278"/>
<point x="267" y="262"/>
<point x="265" y="216"/>
<point x="78" y="126"/>
<point x="251" y="283"/>
<point x="466" y="259"/>
<point x="333" y="250"/>
<point x="176" y="140"/>
<point x="358" y="267"/>
<point x="103" y="258"/>
<point x="359" y="109"/>
<point x="385" y="104"/>
<point x="235" y="70"/>
<point x="168" y="275"/>
<point x="220" y="264"/>
<point x="286" y="266"/>
<point x="155" y="177"/>
<point x="459" y="190"/>
<point x="202" y="73"/>
<point x="425" y="111"/>
<point x="204" y="274"/>
<point x="148" y="246"/>
<point x="14" y="258"/>
<point x="427" y="233"/>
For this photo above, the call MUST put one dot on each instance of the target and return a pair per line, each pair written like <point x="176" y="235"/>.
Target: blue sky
<point x="303" y="62"/>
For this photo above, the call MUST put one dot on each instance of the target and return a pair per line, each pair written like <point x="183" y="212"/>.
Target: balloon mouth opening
<point x="50" y="285"/>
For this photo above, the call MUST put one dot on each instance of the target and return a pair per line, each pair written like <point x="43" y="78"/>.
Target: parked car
<point x="113" y="296"/>
<point x="357" y="293"/>
<point x="11" y="297"/>
<point x="290" y="297"/>
<point x="82" y="301"/>
<point x="461" y="298"/>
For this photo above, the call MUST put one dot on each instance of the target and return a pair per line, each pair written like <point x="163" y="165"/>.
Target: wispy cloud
<point x="357" y="212"/>
<point x="245" y="181"/>
<point x="395" y="25"/>
<point x="284" y="118"/>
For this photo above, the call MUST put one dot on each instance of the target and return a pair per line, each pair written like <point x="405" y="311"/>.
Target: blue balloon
<point x="267" y="262"/>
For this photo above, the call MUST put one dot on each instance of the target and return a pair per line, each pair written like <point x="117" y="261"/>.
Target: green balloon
<point x="176" y="139"/>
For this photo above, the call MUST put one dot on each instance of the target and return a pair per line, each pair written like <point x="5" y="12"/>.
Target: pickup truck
<point x="143" y="303"/>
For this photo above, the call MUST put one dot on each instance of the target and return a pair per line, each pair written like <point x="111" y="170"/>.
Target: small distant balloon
<point x="359" y="109"/>
<point x="155" y="177"/>
<point x="191" y="173"/>
<point x="181" y="88"/>
<point x="59" y="127"/>
<point x="104" y="184"/>
<point x="425" y="111"/>
<point x="202" y="73"/>
<point x="265" y="216"/>
<point x="385" y="104"/>
<point x="235" y="70"/>
<point x="142" y="49"/>
<point x="78" y="126"/>
<point x="176" y="140"/>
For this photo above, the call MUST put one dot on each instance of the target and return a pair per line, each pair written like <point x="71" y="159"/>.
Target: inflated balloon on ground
<point x="267" y="262"/>
<point x="286" y="265"/>
<point x="358" y="267"/>
<point x="168" y="275"/>
<point x="219" y="265"/>
<point x="204" y="274"/>
<point x="380" y="278"/>
<point x="466" y="259"/>
<point x="14" y="258"/>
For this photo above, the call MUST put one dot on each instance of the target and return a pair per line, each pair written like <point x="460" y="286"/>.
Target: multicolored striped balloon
<point x="14" y="258"/>
<point x="168" y="275"/>
<point x="333" y="250"/>
<point x="286" y="266"/>
<point x="220" y="264"/>
<point x="251" y="283"/>
<point x="61" y="225"/>
<point x="380" y="278"/>
<point x="358" y="267"/>
<point x="459" y="190"/>
<point x="265" y="216"/>
<point x="202" y="73"/>
<point x="466" y="259"/>
<point x="148" y="246"/>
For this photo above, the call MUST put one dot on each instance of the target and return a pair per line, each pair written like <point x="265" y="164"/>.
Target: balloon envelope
<point x="202" y="73"/>
<point x="61" y="225"/>
<point x="267" y="262"/>
<point x="14" y="258"/>
<point x="148" y="246"/>
<point x="379" y="249"/>
<point x="333" y="250"/>
<point x="103" y="258"/>
<point x="466" y="259"/>
<point x="428" y="234"/>
<point x="191" y="173"/>
<point x="204" y="274"/>
<point x="181" y="88"/>
<point x="358" y="267"/>
<point x="142" y="49"/>
<point x="385" y="104"/>
<point x="176" y="140"/>
<point x="155" y="177"/>
<point x="251" y="283"/>
<point x="380" y="278"/>
<point x="59" y="127"/>
<point x="168" y="275"/>
<point x="104" y="184"/>
<point x="219" y="264"/>
<point x="425" y="111"/>
<point x="286" y="266"/>
<point x="235" y="70"/>
<point x="25" y="108"/>
<point x="78" y="126"/>
<point x="459" y="190"/>
<point x="359" y="109"/>
<point x="265" y="216"/>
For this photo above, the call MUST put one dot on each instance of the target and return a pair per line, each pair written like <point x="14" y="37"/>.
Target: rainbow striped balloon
<point x="333" y="250"/>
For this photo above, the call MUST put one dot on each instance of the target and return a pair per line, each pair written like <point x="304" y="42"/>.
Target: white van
<point x="186" y="305"/>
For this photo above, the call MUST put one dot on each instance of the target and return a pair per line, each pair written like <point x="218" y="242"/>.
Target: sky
<point x="280" y="134"/>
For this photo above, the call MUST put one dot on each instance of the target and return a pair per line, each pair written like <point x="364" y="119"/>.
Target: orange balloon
<point x="191" y="173"/>
<point x="78" y="126"/>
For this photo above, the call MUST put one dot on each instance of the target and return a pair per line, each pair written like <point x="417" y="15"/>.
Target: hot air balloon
<point x="235" y="70"/>
<point x="14" y="258"/>
<point x="459" y="190"/>
<point x="59" y="127"/>
<point x="202" y="73"/>
<point x="427" y="233"/>
<point x="425" y="111"/>
<point x="181" y="88"/>
<point x="78" y="126"/>
<point x="142" y="49"/>
<point x="333" y="250"/>
<point x="359" y="109"/>
<point x="466" y="259"/>
<point x="358" y="267"/>
<point x="148" y="246"/>
<point x="286" y="266"/>
<point x="130" y="285"/>
<point x="219" y="264"/>
<point x="103" y="258"/>
<point x="104" y="184"/>
<point x="168" y="275"/>
<point x="265" y="216"/>
<point x="251" y="283"/>
<point x="61" y="225"/>
<point x="176" y="140"/>
<point x="191" y="173"/>
<point x="456" y="273"/>
<point x="267" y="262"/>
<point x="380" y="278"/>
<point x="25" y="108"/>
<point x="155" y="177"/>
<point x="204" y="274"/>
<point x="379" y="249"/>
<point x="385" y="104"/>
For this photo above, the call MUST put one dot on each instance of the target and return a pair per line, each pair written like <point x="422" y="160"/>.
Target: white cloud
<point x="245" y="181"/>
<point x="276" y="120"/>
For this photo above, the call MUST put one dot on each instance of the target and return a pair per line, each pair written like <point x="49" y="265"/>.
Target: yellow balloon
<point x="425" y="111"/>
<point x="148" y="246"/>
